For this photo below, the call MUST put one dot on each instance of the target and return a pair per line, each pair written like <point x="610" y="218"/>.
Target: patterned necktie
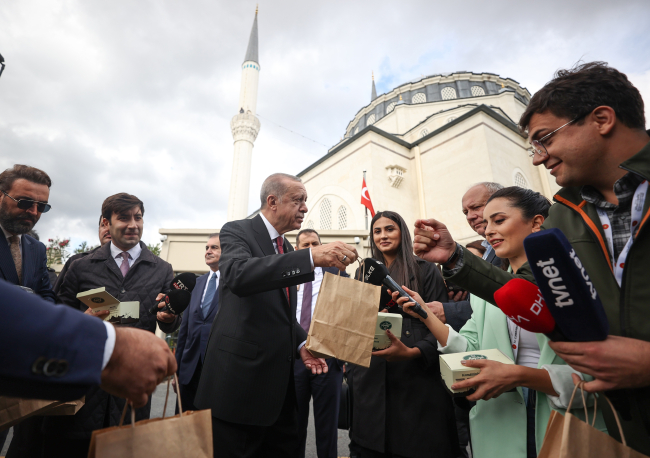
<point x="305" y="312"/>
<point x="124" y="267"/>
<point x="14" y="246"/>
<point x="280" y="243"/>
<point x="209" y="294"/>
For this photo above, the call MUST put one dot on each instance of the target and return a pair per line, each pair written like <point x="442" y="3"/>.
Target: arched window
<point x="448" y="93"/>
<point x="424" y="132"/>
<point x="343" y="217"/>
<point x="477" y="91"/>
<point x="371" y="120"/>
<point x="326" y="214"/>
<point x="520" y="180"/>
<point x="419" y="98"/>
<point x="390" y="107"/>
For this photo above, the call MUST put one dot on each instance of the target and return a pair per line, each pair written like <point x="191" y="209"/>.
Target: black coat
<point x="255" y="336"/>
<point x="403" y="407"/>
<point x="148" y="276"/>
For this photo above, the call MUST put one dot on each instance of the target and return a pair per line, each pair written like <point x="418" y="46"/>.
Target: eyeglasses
<point x="538" y="145"/>
<point x="26" y="204"/>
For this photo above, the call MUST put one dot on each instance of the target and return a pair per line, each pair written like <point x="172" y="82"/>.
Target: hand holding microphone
<point x="176" y="300"/>
<point x="376" y="273"/>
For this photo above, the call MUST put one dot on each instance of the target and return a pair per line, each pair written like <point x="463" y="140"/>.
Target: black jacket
<point x="255" y="336"/>
<point x="405" y="404"/>
<point x="148" y="276"/>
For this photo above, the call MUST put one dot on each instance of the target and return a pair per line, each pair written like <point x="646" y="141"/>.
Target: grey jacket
<point x="457" y="313"/>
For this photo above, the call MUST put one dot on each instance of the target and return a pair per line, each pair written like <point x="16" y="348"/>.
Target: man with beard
<point x="24" y="192"/>
<point x="129" y="272"/>
<point x="104" y="238"/>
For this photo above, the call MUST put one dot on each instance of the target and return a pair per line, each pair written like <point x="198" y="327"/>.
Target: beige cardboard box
<point x="99" y="299"/>
<point x="386" y="321"/>
<point x="452" y="371"/>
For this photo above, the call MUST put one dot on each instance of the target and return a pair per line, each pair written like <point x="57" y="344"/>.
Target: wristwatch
<point x="453" y="256"/>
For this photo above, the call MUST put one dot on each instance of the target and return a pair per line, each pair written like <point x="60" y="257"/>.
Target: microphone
<point x="377" y="274"/>
<point x="523" y="303"/>
<point x="178" y="298"/>
<point x="567" y="289"/>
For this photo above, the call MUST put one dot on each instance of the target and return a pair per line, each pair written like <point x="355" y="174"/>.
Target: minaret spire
<point x="245" y="126"/>
<point x="373" y="95"/>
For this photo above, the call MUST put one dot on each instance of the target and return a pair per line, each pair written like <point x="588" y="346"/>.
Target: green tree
<point x="155" y="249"/>
<point x="84" y="247"/>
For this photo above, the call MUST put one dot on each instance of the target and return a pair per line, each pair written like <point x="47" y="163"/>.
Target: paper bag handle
<point x="178" y="397"/>
<point x="593" y="422"/>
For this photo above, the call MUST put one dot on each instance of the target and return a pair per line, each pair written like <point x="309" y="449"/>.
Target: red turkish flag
<point x="365" y="198"/>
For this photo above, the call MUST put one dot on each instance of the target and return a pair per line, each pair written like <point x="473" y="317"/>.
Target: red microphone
<point x="524" y="304"/>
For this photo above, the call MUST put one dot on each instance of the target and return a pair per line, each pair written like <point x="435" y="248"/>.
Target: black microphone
<point x="567" y="289"/>
<point x="178" y="298"/>
<point x="377" y="274"/>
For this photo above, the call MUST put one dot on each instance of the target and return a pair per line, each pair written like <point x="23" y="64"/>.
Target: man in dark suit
<point x="129" y="272"/>
<point x="247" y="379"/>
<point x="195" y="329"/>
<point x="325" y="389"/>
<point x="24" y="192"/>
<point x="104" y="238"/>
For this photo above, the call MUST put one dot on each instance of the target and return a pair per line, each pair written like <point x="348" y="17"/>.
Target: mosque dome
<point x="447" y="90"/>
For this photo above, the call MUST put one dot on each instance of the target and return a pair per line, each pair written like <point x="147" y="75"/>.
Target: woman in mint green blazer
<point x="505" y="423"/>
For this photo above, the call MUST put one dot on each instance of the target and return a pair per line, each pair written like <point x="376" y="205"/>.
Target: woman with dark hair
<point x="401" y="407"/>
<point x="514" y="402"/>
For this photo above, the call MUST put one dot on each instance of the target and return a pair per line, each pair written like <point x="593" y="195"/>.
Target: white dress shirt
<point x="488" y="248"/>
<point x="315" y="288"/>
<point x="218" y="274"/>
<point x="134" y="254"/>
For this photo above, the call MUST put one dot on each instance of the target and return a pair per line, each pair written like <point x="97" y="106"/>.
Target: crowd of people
<point x="241" y="344"/>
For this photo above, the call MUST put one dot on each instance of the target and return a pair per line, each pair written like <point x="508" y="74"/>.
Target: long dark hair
<point x="530" y="203"/>
<point x="405" y="265"/>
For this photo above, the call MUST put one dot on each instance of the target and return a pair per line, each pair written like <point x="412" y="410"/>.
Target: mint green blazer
<point x="498" y="426"/>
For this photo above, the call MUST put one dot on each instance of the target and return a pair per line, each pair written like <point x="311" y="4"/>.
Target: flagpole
<point x="364" y="180"/>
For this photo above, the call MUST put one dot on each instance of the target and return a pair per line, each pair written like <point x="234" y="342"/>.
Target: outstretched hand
<point x="335" y="254"/>
<point x="432" y="241"/>
<point x="407" y="307"/>
<point x="316" y="365"/>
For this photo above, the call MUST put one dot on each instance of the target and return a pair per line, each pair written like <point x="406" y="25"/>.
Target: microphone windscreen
<point x="186" y="281"/>
<point x="373" y="271"/>
<point x="523" y="303"/>
<point x="569" y="293"/>
<point x="177" y="300"/>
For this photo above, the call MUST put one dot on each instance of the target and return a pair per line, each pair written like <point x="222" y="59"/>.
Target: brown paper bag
<point x="15" y="410"/>
<point x="66" y="408"/>
<point x="186" y="434"/>
<point x="345" y="315"/>
<point x="569" y="437"/>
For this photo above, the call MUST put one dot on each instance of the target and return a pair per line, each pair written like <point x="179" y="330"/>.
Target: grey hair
<point x="275" y="185"/>
<point x="216" y="234"/>
<point x="489" y="185"/>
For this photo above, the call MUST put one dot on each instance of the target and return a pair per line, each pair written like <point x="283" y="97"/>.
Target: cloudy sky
<point x="137" y="95"/>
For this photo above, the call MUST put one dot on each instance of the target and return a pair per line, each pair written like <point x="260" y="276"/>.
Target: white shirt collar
<point x="7" y="235"/>
<point x="269" y="227"/>
<point x="134" y="252"/>
<point x="217" y="272"/>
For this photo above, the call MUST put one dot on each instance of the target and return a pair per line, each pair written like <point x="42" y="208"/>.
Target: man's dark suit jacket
<point x="255" y="336"/>
<point x="35" y="275"/>
<point x="194" y="332"/>
<point x="59" y="280"/>
<point x="457" y="313"/>
<point x="148" y="276"/>
<point x="32" y="334"/>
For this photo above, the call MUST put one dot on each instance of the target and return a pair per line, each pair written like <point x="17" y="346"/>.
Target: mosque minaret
<point x="245" y="126"/>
